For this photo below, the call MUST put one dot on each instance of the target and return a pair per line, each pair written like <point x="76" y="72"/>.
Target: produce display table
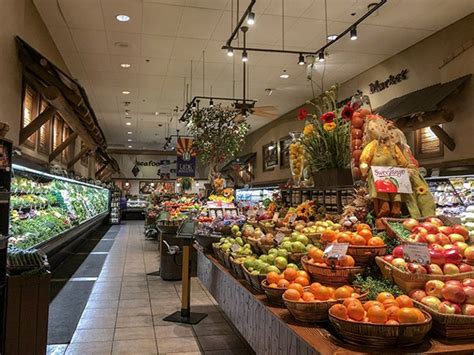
<point x="272" y="330"/>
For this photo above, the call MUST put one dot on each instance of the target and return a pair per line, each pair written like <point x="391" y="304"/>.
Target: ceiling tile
<point x="161" y="19"/>
<point x="215" y="53"/>
<point x="85" y="14"/>
<point x="188" y="48"/>
<point x="156" y="46"/>
<point x="90" y="41"/>
<point x="133" y="40"/>
<point x="62" y="38"/>
<point x="96" y="62"/>
<point x="268" y="29"/>
<point x="208" y="4"/>
<point x="150" y="81"/>
<point x="155" y="66"/>
<point x="134" y="61"/>
<point x="206" y="18"/>
<point x="291" y="8"/>
<point x="50" y="13"/>
<point x="335" y="8"/>
<point x="112" y="8"/>
<point x="74" y="64"/>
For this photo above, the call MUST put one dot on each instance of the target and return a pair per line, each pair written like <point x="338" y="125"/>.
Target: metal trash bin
<point x="170" y="256"/>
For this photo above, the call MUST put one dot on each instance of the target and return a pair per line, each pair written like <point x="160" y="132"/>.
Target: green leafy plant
<point x="186" y="183"/>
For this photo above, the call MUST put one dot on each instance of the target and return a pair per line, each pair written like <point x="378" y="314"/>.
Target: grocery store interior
<point x="236" y="177"/>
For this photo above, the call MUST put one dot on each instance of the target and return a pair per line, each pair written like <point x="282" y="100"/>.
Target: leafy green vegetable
<point x="375" y="284"/>
<point x="399" y="229"/>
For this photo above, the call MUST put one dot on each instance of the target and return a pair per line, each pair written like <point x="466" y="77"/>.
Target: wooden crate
<point x="27" y="308"/>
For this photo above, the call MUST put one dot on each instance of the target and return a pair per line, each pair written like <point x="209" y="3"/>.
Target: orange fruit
<point x="302" y="273"/>
<point x="362" y="226"/>
<point x="346" y="261"/>
<point x="421" y="316"/>
<point x="392" y="322"/>
<point x="343" y="292"/>
<point x="273" y="285"/>
<point x="290" y="274"/>
<point x="303" y="281"/>
<point x="339" y="311"/>
<point x="355" y="295"/>
<point x="404" y="301"/>
<point x="343" y="237"/>
<point x="332" y="292"/>
<point x="350" y="300"/>
<point x="283" y="283"/>
<point x="407" y="315"/>
<point x="308" y="297"/>
<point x="358" y="240"/>
<point x="322" y="293"/>
<point x="392" y="312"/>
<point x="382" y="296"/>
<point x="297" y="287"/>
<point x="369" y="304"/>
<point x="377" y="314"/>
<point x="314" y="286"/>
<point x="356" y="311"/>
<point x="329" y="235"/>
<point x="390" y="303"/>
<point x="292" y="295"/>
<point x="273" y="277"/>
<point x="316" y="254"/>
<point x="375" y="242"/>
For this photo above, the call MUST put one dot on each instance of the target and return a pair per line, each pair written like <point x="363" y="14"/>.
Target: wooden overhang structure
<point x="241" y="168"/>
<point x="425" y="108"/>
<point x="66" y="97"/>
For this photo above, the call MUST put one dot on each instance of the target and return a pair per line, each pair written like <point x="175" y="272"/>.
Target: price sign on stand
<point x="234" y="247"/>
<point x="293" y="218"/>
<point x="279" y="237"/>
<point x="417" y="253"/>
<point x="275" y="217"/>
<point x="335" y="250"/>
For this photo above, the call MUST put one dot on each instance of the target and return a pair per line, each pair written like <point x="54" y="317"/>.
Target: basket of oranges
<point x="276" y="284"/>
<point x="311" y="304"/>
<point x="334" y="273"/>
<point x="384" y="322"/>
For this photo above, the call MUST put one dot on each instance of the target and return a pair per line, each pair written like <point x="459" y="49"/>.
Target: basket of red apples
<point x="450" y="304"/>
<point x="446" y="264"/>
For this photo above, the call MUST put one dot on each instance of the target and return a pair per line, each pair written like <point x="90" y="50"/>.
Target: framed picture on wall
<point x="284" y="151"/>
<point x="270" y="156"/>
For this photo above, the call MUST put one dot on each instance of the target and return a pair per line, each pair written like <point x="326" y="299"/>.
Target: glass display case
<point x="253" y="195"/>
<point x="44" y="207"/>
<point x="453" y="194"/>
<point x="139" y="202"/>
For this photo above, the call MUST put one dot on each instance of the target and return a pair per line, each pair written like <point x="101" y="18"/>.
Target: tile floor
<point x="124" y="313"/>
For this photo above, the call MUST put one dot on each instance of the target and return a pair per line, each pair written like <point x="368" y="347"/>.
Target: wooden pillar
<point x="34" y="125"/>
<point x="62" y="146"/>
<point x="443" y="137"/>
<point x="74" y="160"/>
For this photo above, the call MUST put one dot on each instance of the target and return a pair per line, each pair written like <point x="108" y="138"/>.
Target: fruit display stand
<point x="272" y="330"/>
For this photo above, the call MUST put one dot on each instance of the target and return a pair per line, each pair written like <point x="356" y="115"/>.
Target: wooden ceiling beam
<point x="74" y="160"/>
<point x="34" y="125"/>
<point x="444" y="137"/>
<point x="72" y="138"/>
<point x="101" y="170"/>
<point x="426" y="119"/>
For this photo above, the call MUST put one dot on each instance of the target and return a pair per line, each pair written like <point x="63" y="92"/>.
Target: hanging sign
<point x="391" y="179"/>
<point x="186" y="157"/>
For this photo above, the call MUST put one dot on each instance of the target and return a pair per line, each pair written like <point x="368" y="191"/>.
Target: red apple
<point x="448" y="246"/>
<point x="450" y="269"/>
<point x="461" y="246"/>
<point x="436" y="221"/>
<point x="447" y="307"/>
<point x="444" y="239"/>
<point x="453" y="256"/>
<point x="436" y="257"/>
<point x="461" y="230"/>
<point x="468" y="309"/>
<point x="431" y="301"/>
<point x="453" y="293"/>
<point x="388" y="258"/>
<point x="434" y="287"/>
<point x="469" y="253"/>
<point x="437" y="247"/>
<point x="420" y="230"/>
<point x="398" y="252"/>
<point x="445" y="230"/>
<point x="454" y="282"/>
<point x="465" y="268"/>
<point x="414" y="268"/>
<point x="399" y="263"/>
<point x="410" y="223"/>
<point x="432" y="238"/>
<point x="420" y="238"/>
<point x="417" y="294"/>
<point x="455" y="237"/>
<point x="434" y="269"/>
<point x="469" y="291"/>
<point x="468" y="282"/>
<point x="430" y="227"/>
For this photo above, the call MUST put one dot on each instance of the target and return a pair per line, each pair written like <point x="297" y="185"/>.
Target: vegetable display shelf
<point x="272" y="330"/>
<point x="51" y="212"/>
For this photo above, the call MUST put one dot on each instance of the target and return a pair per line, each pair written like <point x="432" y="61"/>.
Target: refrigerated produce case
<point x="453" y="194"/>
<point x="253" y="195"/>
<point x="49" y="212"/>
<point x="115" y="206"/>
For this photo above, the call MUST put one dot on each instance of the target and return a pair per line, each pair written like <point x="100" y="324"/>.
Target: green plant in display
<point x="186" y="183"/>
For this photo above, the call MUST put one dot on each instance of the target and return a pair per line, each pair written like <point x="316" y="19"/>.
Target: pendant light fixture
<point x="353" y="33"/>
<point x="301" y="59"/>
<point x="251" y="18"/>
<point x="211" y="103"/>
<point x="230" y="52"/>
<point x="284" y="75"/>
<point x="321" y="57"/>
<point x="245" y="58"/>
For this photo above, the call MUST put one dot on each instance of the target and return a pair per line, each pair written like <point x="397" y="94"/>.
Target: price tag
<point x="275" y="217"/>
<point x="293" y="218"/>
<point x="279" y="237"/>
<point x="251" y="213"/>
<point x="235" y="247"/>
<point x="416" y="253"/>
<point x="335" y="250"/>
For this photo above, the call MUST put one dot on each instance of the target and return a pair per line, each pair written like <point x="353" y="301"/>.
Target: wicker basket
<point x="447" y="221"/>
<point x="265" y="248"/>
<point x="254" y="243"/>
<point x="331" y="276"/>
<point x="408" y="282"/>
<point x="262" y="226"/>
<point x="226" y="260"/>
<point x="450" y="326"/>
<point x="296" y="257"/>
<point x="206" y="241"/>
<point x="274" y="295"/>
<point x="381" y="335"/>
<point x="365" y="255"/>
<point x="217" y="251"/>
<point x="255" y="281"/>
<point x="285" y="231"/>
<point x="236" y="269"/>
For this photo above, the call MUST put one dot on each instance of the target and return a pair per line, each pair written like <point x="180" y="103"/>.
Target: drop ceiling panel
<point x="134" y="61"/>
<point x="291" y="8"/>
<point x="206" y="18"/>
<point x="155" y="66"/>
<point x="161" y="19"/>
<point x="208" y="4"/>
<point x="90" y="41"/>
<point x="112" y="8"/>
<point x="86" y="14"/>
<point x="156" y="46"/>
<point x="132" y="40"/>
<point x="188" y="48"/>
<point x="50" y="13"/>
<point x="73" y="62"/>
<point x="96" y="62"/>
<point x="63" y="39"/>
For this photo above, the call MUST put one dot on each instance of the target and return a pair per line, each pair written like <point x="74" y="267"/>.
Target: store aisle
<point x="125" y="309"/>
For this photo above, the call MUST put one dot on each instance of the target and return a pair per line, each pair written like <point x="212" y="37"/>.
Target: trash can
<point x="170" y="256"/>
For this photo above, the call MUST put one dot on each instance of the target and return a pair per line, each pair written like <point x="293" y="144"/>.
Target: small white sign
<point x="335" y="250"/>
<point x="275" y="217"/>
<point x="279" y="237"/>
<point x="293" y="218"/>
<point x="235" y="247"/>
<point x="417" y="253"/>
<point x="392" y="180"/>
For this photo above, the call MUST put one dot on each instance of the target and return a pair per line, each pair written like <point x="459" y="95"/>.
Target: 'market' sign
<point x="378" y="86"/>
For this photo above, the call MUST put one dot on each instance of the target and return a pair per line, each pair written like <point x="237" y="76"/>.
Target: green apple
<point x="286" y="245"/>
<point x="238" y="234"/>
<point x="255" y="272"/>
<point x="298" y="247"/>
<point x="292" y="266"/>
<point x="281" y="262"/>
<point x="263" y="258"/>
<point x="273" y="268"/>
<point x="282" y="252"/>
<point x="270" y="259"/>
<point x="273" y="251"/>
<point x="235" y="228"/>
<point x="303" y="239"/>
<point x="239" y="241"/>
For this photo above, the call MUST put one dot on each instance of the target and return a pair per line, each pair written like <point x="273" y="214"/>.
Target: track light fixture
<point x="251" y="18"/>
<point x="245" y="57"/>
<point x="353" y="33"/>
<point x="230" y="52"/>
<point x="211" y="103"/>
<point x="321" y="57"/>
<point x="301" y="59"/>
<point x="284" y="75"/>
<point x="194" y="105"/>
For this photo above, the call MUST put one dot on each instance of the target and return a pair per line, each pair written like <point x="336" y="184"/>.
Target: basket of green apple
<point x="297" y="245"/>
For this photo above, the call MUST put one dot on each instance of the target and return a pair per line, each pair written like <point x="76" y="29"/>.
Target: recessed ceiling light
<point x="126" y="92"/>
<point x="129" y="140"/>
<point x="284" y="75"/>
<point x="129" y="132"/>
<point x="130" y="146"/>
<point x="125" y="65"/>
<point x="332" y="37"/>
<point x="128" y="123"/>
<point x="156" y="113"/>
<point x="121" y="44"/>
<point x="122" y="18"/>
